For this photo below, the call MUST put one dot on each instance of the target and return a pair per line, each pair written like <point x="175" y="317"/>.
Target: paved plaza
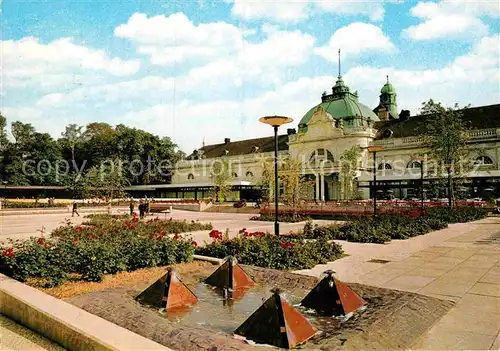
<point x="460" y="263"/>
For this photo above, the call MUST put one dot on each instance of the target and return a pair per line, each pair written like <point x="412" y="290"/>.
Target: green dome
<point x="341" y="104"/>
<point x="388" y="88"/>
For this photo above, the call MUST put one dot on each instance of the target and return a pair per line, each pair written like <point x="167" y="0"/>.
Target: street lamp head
<point x="275" y="121"/>
<point x="375" y="148"/>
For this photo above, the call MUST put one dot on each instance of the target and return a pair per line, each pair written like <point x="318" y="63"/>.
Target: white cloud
<point x="175" y="38"/>
<point x="28" y="61"/>
<point x="354" y="39"/>
<point x="467" y="79"/>
<point x="445" y="19"/>
<point x="293" y="11"/>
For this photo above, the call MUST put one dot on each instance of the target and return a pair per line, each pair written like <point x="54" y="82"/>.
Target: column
<point x="316" y="177"/>
<point x="322" y="185"/>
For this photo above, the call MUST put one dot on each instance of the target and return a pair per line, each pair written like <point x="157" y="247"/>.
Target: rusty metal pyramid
<point x="230" y="275"/>
<point x="332" y="297"/>
<point x="168" y="292"/>
<point x="276" y="323"/>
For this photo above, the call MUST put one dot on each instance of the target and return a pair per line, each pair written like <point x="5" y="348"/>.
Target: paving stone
<point x="449" y="339"/>
<point x="480" y="303"/>
<point x="487" y="289"/>
<point x="408" y="283"/>
<point x="428" y="272"/>
<point x="466" y="319"/>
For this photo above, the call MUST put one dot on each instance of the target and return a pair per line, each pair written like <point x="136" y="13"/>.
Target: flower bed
<point x="265" y="250"/>
<point x="288" y="218"/>
<point x="384" y="228"/>
<point x="89" y="252"/>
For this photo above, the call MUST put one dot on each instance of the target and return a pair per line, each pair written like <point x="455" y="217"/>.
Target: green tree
<point x="348" y="165"/>
<point x="445" y="136"/>
<point x="72" y="136"/>
<point x="220" y="174"/>
<point x="296" y="187"/>
<point x="105" y="181"/>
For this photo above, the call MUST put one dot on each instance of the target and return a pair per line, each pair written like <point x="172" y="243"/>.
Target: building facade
<point x="338" y="123"/>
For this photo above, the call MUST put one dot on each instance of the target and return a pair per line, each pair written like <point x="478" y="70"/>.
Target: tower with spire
<point x="388" y="106"/>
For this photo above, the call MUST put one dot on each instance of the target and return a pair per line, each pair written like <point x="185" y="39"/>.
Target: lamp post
<point x="449" y="167"/>
<point x="421" y="160"/>
<point x="275" y="122"/>
<point x="374" y="149"/>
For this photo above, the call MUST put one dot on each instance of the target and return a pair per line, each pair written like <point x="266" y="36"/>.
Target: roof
<point x="480" y="117"/>
<point x="341" y="104"/>
<point x="243" y="147"/>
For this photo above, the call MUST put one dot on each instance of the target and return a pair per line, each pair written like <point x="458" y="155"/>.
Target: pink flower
<point x="194" y="243"/>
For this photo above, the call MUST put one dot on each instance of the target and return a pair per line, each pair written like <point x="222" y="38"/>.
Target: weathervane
<point x="339" y="63"/>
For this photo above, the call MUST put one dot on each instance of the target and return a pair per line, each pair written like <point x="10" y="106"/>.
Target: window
<point x="320" y="156"/>
<point x="235" y="175"/>
<point x="414" y="164"/>
<point x="190" y="176"/>
<point x="249" y="174"/>
<point x="483" y="160"/>
<point x="384" y="166"/>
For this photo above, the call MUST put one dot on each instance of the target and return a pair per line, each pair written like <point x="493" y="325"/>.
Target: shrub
<point x="264" y="250"/>
<point x="282" y="218"/>
<point x="93" y="251"/>
<point x="385" y="227"/>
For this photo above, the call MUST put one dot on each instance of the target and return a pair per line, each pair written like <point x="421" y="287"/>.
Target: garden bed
<point x="399" y="317"/>
<point x="287" y="218"/>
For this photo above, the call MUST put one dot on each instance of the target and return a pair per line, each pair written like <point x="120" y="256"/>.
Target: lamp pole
<point x="374" y="149"/>
<point x="276" y="122"/>
<point x="276" y="225"/>
<point x="448" y="168"/>
<point x="421" y="160"/>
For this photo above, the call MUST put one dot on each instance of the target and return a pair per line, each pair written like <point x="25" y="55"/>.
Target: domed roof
<point x="341" y="104"/>
<point x="388" y="88"/>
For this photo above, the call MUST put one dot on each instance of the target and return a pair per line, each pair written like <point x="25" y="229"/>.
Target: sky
<point x="207" y="70"/>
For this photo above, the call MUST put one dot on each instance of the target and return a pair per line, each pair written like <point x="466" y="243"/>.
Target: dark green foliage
<point x="384" y="228"/>
<point x="274" y="252"/>
<point x="288" y="218"/>
<point x="90" y="252"/>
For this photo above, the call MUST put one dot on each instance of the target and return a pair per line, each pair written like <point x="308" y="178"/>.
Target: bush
<point x="385" y="227"/>
<point x="282" y="218"/>
<point x="264" y="250"/>
<point x="93" y="251"/>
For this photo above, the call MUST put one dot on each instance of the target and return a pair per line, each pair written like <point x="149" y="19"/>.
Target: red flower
<point x="194" y="243"/>
<point x="40" y="241"/>
<point x="9" y="253"/>
<point x="75" y="241"/>
<point x="215" y="234"/>
<point x="78" y="228"/>
<point x="176" y="236"/>
<point x="286" y="245"/>
<point x="92" y="236"/>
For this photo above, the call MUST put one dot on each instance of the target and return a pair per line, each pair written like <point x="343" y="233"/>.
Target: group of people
<point x="143" y="208"/>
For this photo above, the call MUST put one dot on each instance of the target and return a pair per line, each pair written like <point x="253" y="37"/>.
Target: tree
<point x="445" y="138"/>
<point x="348" y="166"/>
<point x="296" y="187"/>
<point x="106" y="181"/>
<point x="221" y="179"/>
<point x="72" y="135"/>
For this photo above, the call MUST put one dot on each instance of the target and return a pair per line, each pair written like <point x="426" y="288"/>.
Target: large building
<point x="339" y="122"/>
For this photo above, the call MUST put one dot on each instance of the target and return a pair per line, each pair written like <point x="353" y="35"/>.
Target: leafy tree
<point x="221" y="180"/>
<point x="349" y="164"/>
<point x="296" y="187"/>
<point x="445" y="138"/>
<point x="72" y="136"/>
<point x="106" y="182"/>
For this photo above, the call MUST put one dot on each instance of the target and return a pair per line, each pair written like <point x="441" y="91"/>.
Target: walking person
<point x="75" y="209"/>
<point x="141" y="210"/>
<point x="132" y="208"/>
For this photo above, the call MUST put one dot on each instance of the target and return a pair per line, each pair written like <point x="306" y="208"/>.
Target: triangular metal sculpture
<point x="168" y="292"/>
<point x="276" y="323"/>
<point x="230" y="276"/>
<point x="332" y="297"/>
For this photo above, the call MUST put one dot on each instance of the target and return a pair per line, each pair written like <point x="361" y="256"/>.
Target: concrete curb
<point x="208" y="259"/>
<point x="65" y="324"/>
<point x="62" y="210"/>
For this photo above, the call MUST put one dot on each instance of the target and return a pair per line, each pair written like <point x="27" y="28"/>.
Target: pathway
<point x="15" y="337"/>
<point x="460" y="263"/>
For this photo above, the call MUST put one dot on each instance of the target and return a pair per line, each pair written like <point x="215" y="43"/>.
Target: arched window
<point x="414" y="164"/>
<point x="235" y="175"/>
<point x="483" y="160"/>
<point x="384" y="166"/>
<point x="249" y="174"/>
<point x="190" y="176"/>
<point x="320" y="156"/>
